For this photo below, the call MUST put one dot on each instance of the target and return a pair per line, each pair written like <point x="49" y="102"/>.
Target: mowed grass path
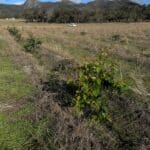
<point x="14" y="87"/>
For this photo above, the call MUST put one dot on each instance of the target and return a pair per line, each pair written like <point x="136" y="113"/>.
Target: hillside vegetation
<point x="66" y="11"/>
<point x="37" y="92"/>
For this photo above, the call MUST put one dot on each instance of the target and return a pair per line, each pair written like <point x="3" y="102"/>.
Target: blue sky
<point x="22" y="1"/>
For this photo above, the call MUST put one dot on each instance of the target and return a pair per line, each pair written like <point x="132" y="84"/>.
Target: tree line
<point x="67" y="15"/>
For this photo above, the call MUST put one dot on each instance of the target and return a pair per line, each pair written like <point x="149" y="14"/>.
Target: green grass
<point x="15" y="129"/>
<point x="13" y="81"/>
<point x="13" y="133"/>
<point x="128" y="48"/>
<point x="17" y="132"/>
<point x="14" y="86"/>
<point x="24" y="111"/>
<point x="3" y="44"/>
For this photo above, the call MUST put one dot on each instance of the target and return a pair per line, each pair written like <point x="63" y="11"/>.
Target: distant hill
<point x="10" y="11"/>
<point x="32" y="4"/>
<point x="17" y="10"/>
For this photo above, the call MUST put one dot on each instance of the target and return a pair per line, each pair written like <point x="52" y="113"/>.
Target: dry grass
<point x="128" y="42"/>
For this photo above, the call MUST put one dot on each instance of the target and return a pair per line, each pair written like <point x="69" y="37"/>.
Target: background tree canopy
<point x="67" y="11"/>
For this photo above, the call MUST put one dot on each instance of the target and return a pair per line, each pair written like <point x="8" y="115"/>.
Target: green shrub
<point x="14" y="32"/>
<point x="32" y="43"/>
<point x="96" y="84"/>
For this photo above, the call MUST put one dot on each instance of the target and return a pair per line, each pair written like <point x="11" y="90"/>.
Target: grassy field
<point x="15" y="89"/>
<point x="129" y="42"/>
<point x="21" y="72"/>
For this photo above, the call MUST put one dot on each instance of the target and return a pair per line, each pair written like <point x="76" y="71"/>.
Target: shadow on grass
<point x="63" y="91"/>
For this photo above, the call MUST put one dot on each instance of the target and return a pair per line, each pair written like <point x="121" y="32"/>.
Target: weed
<point x="96" y="83"/>
<point x="31" y="44"/>
<point x="15" y="32"/>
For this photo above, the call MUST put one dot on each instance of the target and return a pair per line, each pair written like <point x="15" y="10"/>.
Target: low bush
<point x="31" y="44"/>
<point x="15" y="32"/>
<point x="97" y="82"/>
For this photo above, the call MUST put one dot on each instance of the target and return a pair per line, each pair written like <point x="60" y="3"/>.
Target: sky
<point x="22" y="1"/>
